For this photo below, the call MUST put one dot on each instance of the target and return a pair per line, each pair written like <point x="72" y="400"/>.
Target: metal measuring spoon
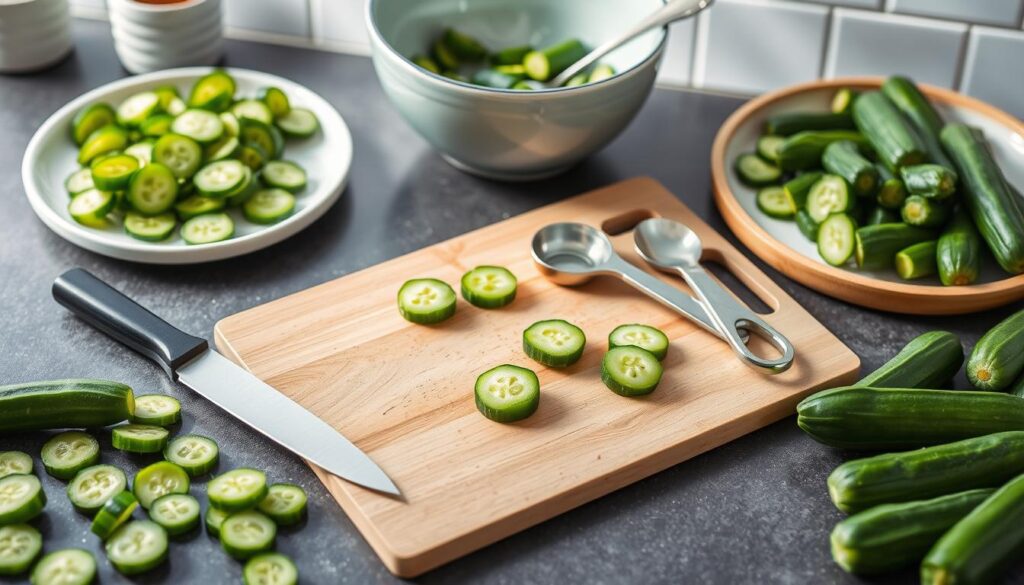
<point x="572" y="253"/>
<point x="671" y="246"/>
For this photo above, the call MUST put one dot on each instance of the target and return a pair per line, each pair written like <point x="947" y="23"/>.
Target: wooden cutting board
<point x="404" y="393"/>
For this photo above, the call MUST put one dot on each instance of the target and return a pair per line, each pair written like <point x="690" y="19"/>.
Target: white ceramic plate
<point x="50" y="158"/>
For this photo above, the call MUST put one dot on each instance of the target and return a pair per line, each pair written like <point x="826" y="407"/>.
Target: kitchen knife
<point x="190" y="360"/>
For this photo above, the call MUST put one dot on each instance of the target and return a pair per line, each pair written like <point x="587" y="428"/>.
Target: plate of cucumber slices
<point x="187" y="165"/>
<point x="879" y="191"/>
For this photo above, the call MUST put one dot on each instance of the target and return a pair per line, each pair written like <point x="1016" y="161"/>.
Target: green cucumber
<point x="214" y="91"/>
<point x="180" y="154"/>
<point x="643" y="336"/>
<point x="426" y="301"/>
<point x="856" y="417"/>
<point x="877" y="245"/>
<point x="507" y="393"/>
<point x="231" y="125"/>
<point x="925" y="212"/>
<point x="79" y="181"/>
<point x="219" y="178"/>
<point x="268" y="138"/>
<point x="768" y="147"/>
<point x="159" y="479"/>
<point x="893" y="139"/>
<point x="115" y="512"/>
<point x="496" y="79"/>
<point x="979" y="462"/>
<point x="930" y="360"/>
<point x="136" y="108"/>
<point x="153" y="189"/>
<point x="21" y="498"/>
<point x="142" y="151"/>
<point x="601" y="72"/>
<point x="836" y="236"/>
<point x="842" y="101"/>
<point x="807" y="226"/>
<point x="510" y="55"/>
<point x="803" y="150"/>
<point x="247" y="534"/>
<point x="176" y="513"/>
<point x="754" y="171"/>
<point x="427" y="63"/>
<point x="208" y="228"/>
<point x="104" y="140"/>
<point x="879" y="215"/>
<point x="893" y="536"/>
<point x="225" y="148"/>
<point x="69" y="566"/>
<point x="20" y="544"/>
<point x="790" y="123"/>
<point x="149" y="228"/>
<point x="196" y="205"/>
<point x="774" y="202"/>
<point x="929" y="180"/>
<point x="237" y="490"/>
<point x="156" y="126"/>
<point x="267" y="206"/>
<point x="554" y="342"/>
<point x="196" y="454"/>
<point x="829" y="194"/>
<point x="998" y="357"/>
<point x="630" y="371"/>
<point x="464" y="46"/>
<point x="60" y="404"/>
<point x="67" y="453"/>
<point x="270" y="569"/>
<point x="891" y="192"/>
<point x="843" y="158"/>
<point x="285" y="504"/>
<point x="213" y="519"/>
<point x="528" y="85"/>
<point x="798" y="188"/>
<point x="981" y="546"/>
<point x="298" y="123"/>
<point x="91" y="119"/>
<point x="284" y="175"/>
<point x="253" y="156"/>
<point x="137" y="547"/>
<point x="543" y="64"/>
<point x="167" y="95"/>
<point x="135" y="438"/>
<point x="575" y="80"/>
<point x="93" y="486"/>
<point x="916" y="108"/>
<point x="200" y="125"/>
<point x="489" y="287"/>
<point x="156" y="409"/>
<point x="958" y="254"/>
<point x="112" y="173"/>
<point x="917" y="261"/>
<point x="253" y="110"/>
<point x="12" y="462"/>
<point x="997" y="210"/>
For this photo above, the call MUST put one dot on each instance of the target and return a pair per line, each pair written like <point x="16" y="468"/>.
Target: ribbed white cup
<point x="34" y="34"/>
<point x="150" y="37"/>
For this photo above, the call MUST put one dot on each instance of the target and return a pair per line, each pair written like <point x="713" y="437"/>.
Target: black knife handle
<point x="106" y="309"/>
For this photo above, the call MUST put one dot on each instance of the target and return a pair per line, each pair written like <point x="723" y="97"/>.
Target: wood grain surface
<point x="404" y="393"/>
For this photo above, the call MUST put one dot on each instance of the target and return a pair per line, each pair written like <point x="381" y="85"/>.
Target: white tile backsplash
<point x="871" y="43"/>
<point x="999" y="12"/>
<point x="867" y="4"/>
<point x="677" y="64"/>
<point x="993" y="68"/>
<point x="279" y="17"/>
<point x="734" y="53"/>
<point x="340" y="22"/>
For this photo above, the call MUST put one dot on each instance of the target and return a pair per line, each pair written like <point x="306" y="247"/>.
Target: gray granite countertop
<point x="753" y="511"/>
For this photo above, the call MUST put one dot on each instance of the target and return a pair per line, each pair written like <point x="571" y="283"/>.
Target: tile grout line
<point x="825" y="41"/>
<point x="961" y="66"/>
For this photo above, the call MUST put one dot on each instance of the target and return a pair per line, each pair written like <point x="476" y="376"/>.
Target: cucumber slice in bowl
<point x="176" y="513"/>
<point x="208" y="228"/>
<point x="180" y="154"/>
<point x="775" y="202"/>
<point x="14" y="462"/>
<point x="754" y="171"/>
<point x="555" y="343"/>
<point x="276" y="99"/>
<point x="837" y="239"/>
<point x="21" y="498"/>
<point x="298" y="123"/>
<point x="642" y="336"/>
<point x="93" y="486"/>
<point x="156" y="409"/>
<point x="219" y="178"/>
<point x="159" y="479"/>
<point x="137" y="547"/>
<point x="197" y="205"/>
<point x="268" y="206"/>
<point x="246" y="534"/>
<point x="79" y="182"/>
<point x="213" y="91"/>
<point x="285" y="504"/>
<point x="489" y="287"/>
<point x="90" y="208"/>
<point x="113" y="514"/>
<point x="284" y="175"/>
<point x="66" y="454"/>
<point x="630" y="371"/>
<point x="270" y="569"/>
<point x="426" y="301"/>
<point x="135" y="438"/>
<point x="19" y="546"/>
<point x="830" y="194"/>
<point x="69" y="566"/>
<point x="238" y="489"/>
<point x="196" y="454"/>
<point x="91" y="119"/>
<point x="507" y="393"/>
<point x="200" y="125"/>
<point x="149" y="228"/>
<point x="153" y="189"/>
<point x="253" y="110"/>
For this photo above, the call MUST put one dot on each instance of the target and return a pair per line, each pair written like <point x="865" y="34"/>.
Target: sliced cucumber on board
<point x="643" y="336"/>
<point x="426" y="301"/>
<point x="489" y="287"/>
<point x="69" y="566"/>
<point x="20" y="544"/>
<point x="507" y="393"/>
<point x="630" y="371"/>
<point x="554" y="342"/>
<point x="66" y="454"/>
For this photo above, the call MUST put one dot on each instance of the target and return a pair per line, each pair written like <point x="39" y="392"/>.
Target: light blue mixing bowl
<point x="505" y="134"/>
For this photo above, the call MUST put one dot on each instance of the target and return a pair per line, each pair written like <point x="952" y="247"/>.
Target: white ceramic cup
<point x="150" y="37"/>
<point x="34" y="34"/>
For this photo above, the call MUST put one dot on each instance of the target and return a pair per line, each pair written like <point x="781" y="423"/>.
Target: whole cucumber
<point x="803" y="150"/>
<point x="909" y="100"/>
<point x="930" y="360"/>
<point x="789" y="123"/>
<point x="856" y="417"/>
<point x="891" y="191"/>
<point x="843" y="158"/>
<point x="876" y="245"/>
<point x="979" y="548"/>
<point x="959" y="252"/>
<point x="980" y="462"/>
<point x="62" y="404"/>
<point x="998" y="357"/>
<point x="894" y="536"/>
<point x="896" y="143"/>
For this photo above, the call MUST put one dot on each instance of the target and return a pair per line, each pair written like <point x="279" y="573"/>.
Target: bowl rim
<point x="469" y="88"/>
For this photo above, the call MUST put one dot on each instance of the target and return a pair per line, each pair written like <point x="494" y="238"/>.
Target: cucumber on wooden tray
<point x="790" y="123"/>
<point x="958" y="253"/>
<point x="891" y="191"/>
<point x="998" y="357"/>
<point x="877" y="245"/>
<point x="930" y="360"/>
<point x="59" y="404"/>
<point x="803" y="150"/>
<point x="893" y="139"/>
<point x="925" y="212"/>
<point x="919" y="112"/>
<point x="861" y="417"/>
<point x="930" y="180"/>
<point x="843" y="158"/>
<point x="917" y="260"/>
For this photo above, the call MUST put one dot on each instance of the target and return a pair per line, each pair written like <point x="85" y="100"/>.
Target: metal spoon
<point x="570" y="254"/>
<point x="672" y="11"/>
<point x="671" y="246"/>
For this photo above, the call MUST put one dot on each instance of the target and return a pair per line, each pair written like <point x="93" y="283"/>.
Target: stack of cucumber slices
<point x="243" y="511"/>
<point x="507" y="393"/>
<point x="158" y="160"/>
<point x="882" y="181"/>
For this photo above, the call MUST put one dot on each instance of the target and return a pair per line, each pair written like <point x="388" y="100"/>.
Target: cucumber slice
<point x="135" y="438"/>
<point x="156" y="126"/>
<point x="268" y="206"/>
<point x="643" y="336"/>
<point x="277" y="100"/>
<point x="775" y="202"/>
<point x="180" y="154"/>
<point x="244" y="191"/>
<point x="601" y="72"/>
<point x="115" y="512"/>
<point x="807" y="226"/>
<point x="112" y="173"/>
<point x="444" y="56"/>
<point x="102" y="141"/>
<point x="464" y="46"/>
<point x="14" y="462"/>
<point x="149" y="228"/>
<point x="136" y="108"/>
<point x="768" y="147"/>
<point x="426" y="301"/>
<point x="19" y="546"/>
<point x="298" y="123"/>
<point x="21" y="498"/>
<point x="270" y="569"/>
<point x="252" y="156"/>
<point x="69" y="566"/>
<point x="285" y="504"/>
<point x="137" y="547"/>
<point x="238" y="489"/>
<point x="219" y="178"/>
<point x="284" y="175"/>
<point x="200" y="125"/>
<point x="176" y="106"/>
<point x="554" y="343"/>
<point x="177" y="513"/>
<point x="231" y="127"/>
<point x="159" y="479"/>
<point x="167" y="94"/>
<point x="156" y="409"/>
<point x="630" y="371"/>
<point x="507" y="393"/>
<point x="66" y="454"/>
<point x="579" y="79"/>
<point x="756" y="172"/>
<point x="268" y="138"/>
<point x="836" y="238"/>
<point x="142" y="151"/>
<point x="198" y="205"/>
<point x="246" y="534"/>
<point x="214" y="91"/>
<point x="489" y="287"/>
<point x="214" y="519"/>
<point x="543" y="64"/>
<point x="208" y="228"/>
<point x="917" y="261"/>
<point x="253" y="110"/>
<point x="830" y="194"/>
<point x="79" y="181"/>
<point x="93" y="486"/>
<point x="91" y="119"/>
<point x="226" y="147"/>
<point x="196" y="454"/>
<point x="426" y="63"/>
<point x="91" y="207"/>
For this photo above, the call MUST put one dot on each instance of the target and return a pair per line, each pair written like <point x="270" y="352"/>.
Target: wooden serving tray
<point x="404" y="392"/>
